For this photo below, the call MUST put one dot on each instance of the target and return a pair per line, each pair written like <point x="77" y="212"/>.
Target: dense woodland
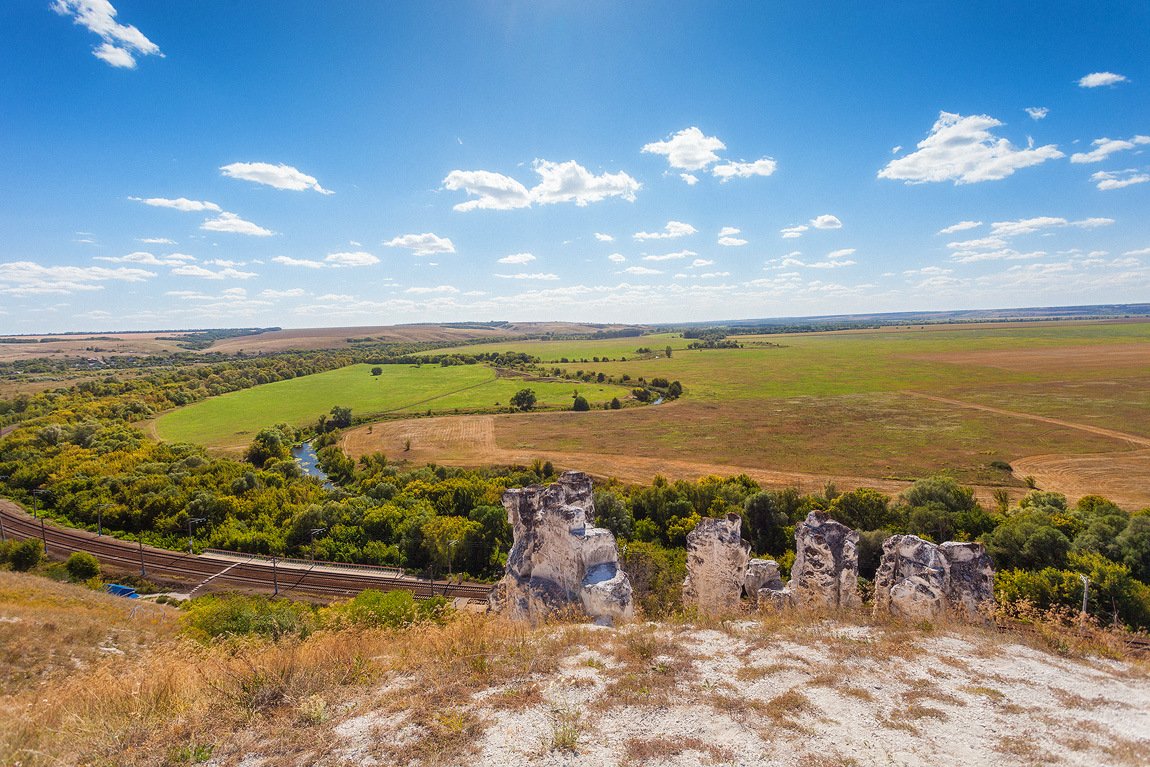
<point x="75" y="455"/>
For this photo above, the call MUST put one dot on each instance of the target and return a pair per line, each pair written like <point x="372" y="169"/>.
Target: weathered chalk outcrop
<point x="717" y="559"/>
<point x="762" y="574"/>
<point x="969" y="584"/>
<point x="826" y="568"/>
<point x="559" y="561"/>
<point x="917" y="579"/>
<point x="911" y="578"/>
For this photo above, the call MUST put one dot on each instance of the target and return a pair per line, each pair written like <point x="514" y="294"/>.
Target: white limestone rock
<point x="717" y="559"/>
<point x="762" y="573"/>
<point x="825" y="572"/>
<point x="970" y="578"/>
<point x="920" y="580"/>
<point x="558" y="561"/>
<point x="911" y="579"/>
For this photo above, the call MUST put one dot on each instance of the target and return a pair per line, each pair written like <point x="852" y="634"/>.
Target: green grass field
<point x="233" y="419"/>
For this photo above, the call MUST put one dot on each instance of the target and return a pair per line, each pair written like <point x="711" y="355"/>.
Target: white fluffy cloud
<point x="191" y="270"/>
<point x="358" y="258"/>
<point x="280" y="176"/>
<point x="230" y="222"/>
<point x="29" y="278"/>
<point x="141" y="257"/>
<point x="494" y="190"/>
<point x="1037" y="113"/>
<point x="960" y="226"/>
<point x="156" y="241"/>
<point x="670" y="256"/>
<point x="840" y="254"/>
<point x="1118" y="179"/>
<point x="964" y="150"/>
<point x="700" y="262"/>
<point x="425" y="244"/>
<point x="517" y="258"/>
<point x="524" y="276"/>
<point x="826" y="221"/>
<point x="688" y="149"/>
<point x="727" y="237"/>
<point x="1097" y="79"/>
<point x="641" y="270"/>
<point x="1104" y="147"/>
<point x="180" y="203"/>
<point x="604" y="237"/>
<point x="290" y="293"/>
<point x="559" y="182"/>
<point x="617" y="257"/>
<point x="730" y="170"/>
<point x="436" y="289"/>
<point x="305" y="263"/>
<point x="996" y="245"/>
<point x="571" y="182"/>
<point x="1142" y="252"/>
<point x="120" y="41"/>
<point x="672" y="230"/>
<point x="792" y="232"/>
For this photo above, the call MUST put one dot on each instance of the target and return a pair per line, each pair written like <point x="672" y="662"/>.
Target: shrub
<point x="26" y="554"/>
<point x="581" y="404"/>
<point x="237" y="615"/>
<point x="615" y="403"/>
<point x="656" y="576"/>
<point x="82" y="566"/>
<point x="392" y="609"/>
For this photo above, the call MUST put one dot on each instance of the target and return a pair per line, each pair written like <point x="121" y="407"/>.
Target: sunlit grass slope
<point x="233" y="419"/>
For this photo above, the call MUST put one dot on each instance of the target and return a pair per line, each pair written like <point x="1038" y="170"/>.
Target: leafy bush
<point x="581" y="404"/>
<point x="656" y="576"/>
<point x="82" y="566"/>
<point x="26" y="555"/>
<point x="1114" y="593"/>
<point x="392" y="609"/>
<point x="237" y="615"/>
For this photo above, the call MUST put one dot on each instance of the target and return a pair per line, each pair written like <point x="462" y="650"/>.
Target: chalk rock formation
<point x="911" y="578"/>
<point x="969" y="577"/>
<point x="762" y="574"/>
<point x="917" y="579"/>
<point x="717" y="559"/>
<point x="558" y="560"/>
<point x="826" y="568"/>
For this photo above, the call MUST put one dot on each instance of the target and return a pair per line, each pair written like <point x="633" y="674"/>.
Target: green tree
<point x="524" y="400"/>
<point x="581" y="404"/>
<point x="1134" y="542"/>
<point x="668" y="350"/>
<point x="340" y="417"/>
<point x="439" y="534"/>
<point x="1027" y="542"/>
<point x="268" y="446"/>
<point x="862" y="509"/>
<point x="615" y="403"/>
<point x="377" y="370"/>
<point x="611" y="512"/>
<point x="766" y="523"/>
<point x="675" y="390"/>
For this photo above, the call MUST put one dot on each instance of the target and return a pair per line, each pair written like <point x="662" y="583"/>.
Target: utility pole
<point x="3" y="535"/>
<point x="35" y="501"/>
<point x="192" y="521"/>
<point x="313" y="534"/>
<point x="1085" y="591"/>
<point x="143" y="572"/>
<point x="100" y="517"/>
<point x="275" y="578"/>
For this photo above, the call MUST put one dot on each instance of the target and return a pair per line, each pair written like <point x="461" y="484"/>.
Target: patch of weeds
<point x="995" y="695"/>
<point x="738" y="707"/>
<point x="915" y="711"/>
<point x="1019" y="745"/>
<point x="517" y="697"/>
<point x="1073" y="700"/>
<point x="826" y="679"/>
<point x="825" y="760"/>
<point x="638" y="750"/>
<point x="313" y="710"/>
<point x="566" y="730"/>
<point x="790" y="704"/>
<point x="596" y="663"/>
<point x="193" y="753"/>
<point x="442" y="737"/>
<point x="754" y="673"/>
<point x="856" y="692"/>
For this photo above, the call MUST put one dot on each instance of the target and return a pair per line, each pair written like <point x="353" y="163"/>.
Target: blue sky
<point x="216" y="164"/>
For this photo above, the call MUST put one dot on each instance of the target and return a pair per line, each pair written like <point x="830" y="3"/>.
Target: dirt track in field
<point x="1123" y="477"/>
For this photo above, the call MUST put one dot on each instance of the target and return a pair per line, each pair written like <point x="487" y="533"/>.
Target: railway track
<point x="255" y="574"/>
